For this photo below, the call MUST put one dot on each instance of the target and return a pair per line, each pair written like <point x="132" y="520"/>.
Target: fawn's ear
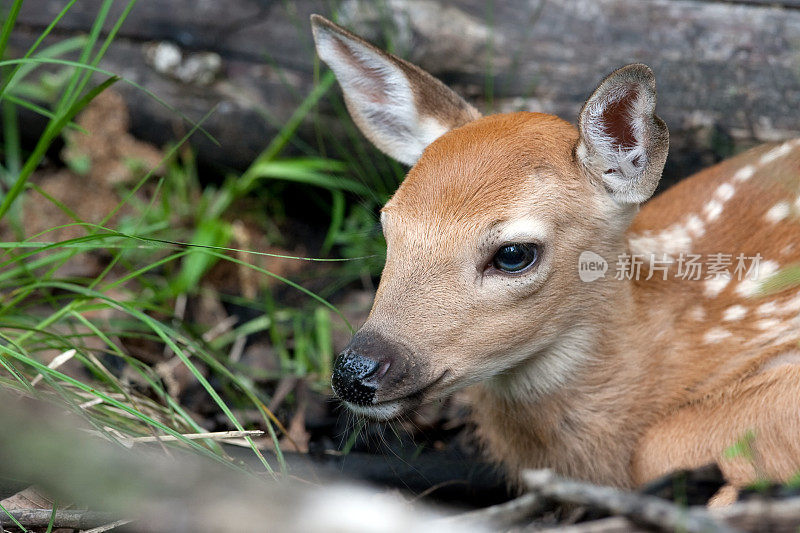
<point x="622" y="141"/>
<point x="398" y="106"/>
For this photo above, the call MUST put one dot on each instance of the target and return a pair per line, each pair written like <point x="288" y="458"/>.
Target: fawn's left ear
<point x="397" y="105"/>
<point x="622" y="141"/>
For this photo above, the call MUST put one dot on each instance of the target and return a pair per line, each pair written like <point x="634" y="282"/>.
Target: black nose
<point x="351" y="374"/>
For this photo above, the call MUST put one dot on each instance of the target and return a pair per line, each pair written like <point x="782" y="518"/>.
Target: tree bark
<point x="728" y="72"/>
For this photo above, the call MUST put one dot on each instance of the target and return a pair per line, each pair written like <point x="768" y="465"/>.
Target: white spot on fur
<point x="697" y="313"/>
<point x="695" y="226"/>
<point x="734" y="312"/>
<point x="778" y="212"/>
<point x="716" y="285"/>
<point x="792" y="305"/>
<point x="768" y="308"/>
<point x="787" y="331"/>
<point x="767" y="268"/>
<point x="749" y="287"/>
<point x="744" y="173"/>
<point x="776" y="153"/>
<point x="676" y="239"/>
<point x="715" y="335"/>
<point x="768" y="323"/>
<point x="713" y="210"/>
<point x="642" y="244"/>
<point x="788" y="249"/>
<point x="725" y="192"/>
<point x="671" y="241"/>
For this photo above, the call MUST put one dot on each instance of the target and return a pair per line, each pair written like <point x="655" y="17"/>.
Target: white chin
<point x="381" y="411"/>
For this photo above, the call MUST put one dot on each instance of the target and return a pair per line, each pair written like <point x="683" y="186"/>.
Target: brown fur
<point x="615" y="381"/>
<point x="657" y="398"/>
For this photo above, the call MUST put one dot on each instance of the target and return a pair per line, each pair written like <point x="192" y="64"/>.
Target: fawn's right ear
<point x="398" y="106"/>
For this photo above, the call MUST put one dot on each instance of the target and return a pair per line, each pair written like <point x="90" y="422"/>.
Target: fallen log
<point x="184" y="492"/>
<point x="727" y="71"/>
<point x="778" y="516"/>
<point x="639" y="508"/>
<point x="36" y="518"/>
<point x="762" y="514"/>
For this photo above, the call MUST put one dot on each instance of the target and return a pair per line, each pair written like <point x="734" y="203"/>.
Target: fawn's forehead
<point x="489" y="169"/>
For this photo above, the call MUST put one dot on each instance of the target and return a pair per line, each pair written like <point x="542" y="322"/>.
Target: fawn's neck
<point x="586" y="422"/>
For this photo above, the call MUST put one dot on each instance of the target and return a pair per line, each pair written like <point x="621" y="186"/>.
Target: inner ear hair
<point x="397" y="105"/>
<point x="622" y="141"/>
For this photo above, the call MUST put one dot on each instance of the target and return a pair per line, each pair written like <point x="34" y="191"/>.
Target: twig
<point x="612" y="524"/>
<point x="237" y="348"/>
<point x="284" y="387"/>
<point x="501" y="516"/>
<point x="221" y="327"/>
<point x="216" y="435"/>
<point x="165" y="370"/>
<point x="34" y="518"/>
<point x="776" y="516"/>
<point x="762" y="514"/>
<point x="107" y="527"/>
<point x="91" y="403"/>
<point x="55" y="363"/>
<point x="640" y="508"/>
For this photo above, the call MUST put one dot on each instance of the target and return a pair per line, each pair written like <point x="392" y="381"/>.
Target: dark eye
<point x="515" y="257"/>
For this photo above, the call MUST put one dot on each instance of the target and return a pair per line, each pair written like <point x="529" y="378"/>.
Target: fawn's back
<point x="740" y="221"/>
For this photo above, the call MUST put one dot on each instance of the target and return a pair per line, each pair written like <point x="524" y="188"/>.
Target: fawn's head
<point x="485" y="232"/>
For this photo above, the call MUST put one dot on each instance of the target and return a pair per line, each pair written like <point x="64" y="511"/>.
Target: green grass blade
<point x="87" y="76"/>
<point x="166" y="334"/>
<point x="8" y="26"/>
<point x="52" y="518"/>
<point x="41" y="111"/>
<point x="151" y="94"/>
<point x="16" y="522"/>
<point x="44" y="369"/>
<point x="300" y="171"/>
<point x="69" y="95"/>
<point x="279" y="142"/>
<point x="288" y="282"/>
<point x="52" y="131"/>
<point x="58" y="48"/>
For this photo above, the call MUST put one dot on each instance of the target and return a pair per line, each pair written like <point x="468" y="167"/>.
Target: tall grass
<point x="156" y="253"/>
<point x="42" y="312"/>
<point x="158" y="246"/>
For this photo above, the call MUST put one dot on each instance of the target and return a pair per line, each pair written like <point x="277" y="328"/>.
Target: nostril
<point x="357" y="366"/>
<point x="381" y="371"/>
<point x="350" y="375"/>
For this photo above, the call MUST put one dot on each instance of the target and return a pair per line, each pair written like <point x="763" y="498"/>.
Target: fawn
<point x="503" y="241"/>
